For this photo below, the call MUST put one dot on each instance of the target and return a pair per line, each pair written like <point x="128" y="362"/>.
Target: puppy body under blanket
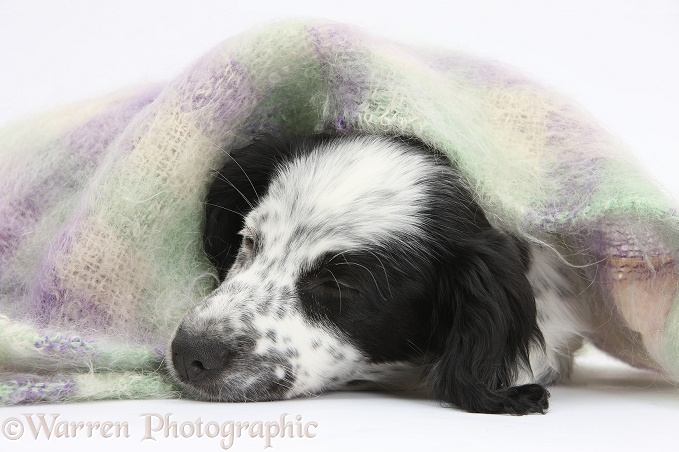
<point x="101" y="204"/>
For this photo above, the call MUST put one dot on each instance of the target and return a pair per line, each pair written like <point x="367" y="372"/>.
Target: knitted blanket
<point x="101" y="203"/>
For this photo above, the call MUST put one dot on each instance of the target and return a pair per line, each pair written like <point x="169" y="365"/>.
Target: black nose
<point x="195" y="358"/>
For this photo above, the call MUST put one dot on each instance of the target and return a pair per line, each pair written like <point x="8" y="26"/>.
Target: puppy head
<point x="355" y="259"/>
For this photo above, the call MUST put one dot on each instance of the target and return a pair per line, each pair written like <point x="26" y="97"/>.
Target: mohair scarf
<point x="101" y="203"/>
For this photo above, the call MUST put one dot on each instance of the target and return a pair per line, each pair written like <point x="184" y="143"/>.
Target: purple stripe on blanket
<point x="52" y="304"/>
<point x="90" y="140"/>
<point x="32" y="389"/>
<point x="221" y="91"/>
<point x="342" y="67"/>
<point x="481" y="72"/>
<point x="614" y="240"/>
<point x="63" y="343"/>
<point x="565" y="207"/>
<point x="570" y="136"/>
<point x="16" y="216"/>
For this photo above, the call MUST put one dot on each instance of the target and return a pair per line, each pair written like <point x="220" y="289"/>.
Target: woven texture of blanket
<point x="101" y="203"/>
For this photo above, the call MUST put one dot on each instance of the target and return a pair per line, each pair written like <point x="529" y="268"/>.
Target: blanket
<point x="101" y="203"/>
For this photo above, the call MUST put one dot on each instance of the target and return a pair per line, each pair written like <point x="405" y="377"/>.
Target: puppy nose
<point x="195" y="358"/>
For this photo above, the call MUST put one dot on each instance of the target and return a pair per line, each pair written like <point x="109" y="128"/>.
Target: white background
<point x="618" y="58"/>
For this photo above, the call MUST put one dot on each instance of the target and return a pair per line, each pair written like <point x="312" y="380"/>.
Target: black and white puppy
<point x="361" y="260"/>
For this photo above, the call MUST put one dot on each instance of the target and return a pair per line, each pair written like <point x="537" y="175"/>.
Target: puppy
<point x="366" y="261"/>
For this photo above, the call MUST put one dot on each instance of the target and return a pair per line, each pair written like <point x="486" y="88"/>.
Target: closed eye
<point x="328" y="282"/>
<point x="249" y="242"/>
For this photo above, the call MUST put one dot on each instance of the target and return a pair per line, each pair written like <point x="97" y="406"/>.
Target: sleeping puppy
<point x="365" y="261"/>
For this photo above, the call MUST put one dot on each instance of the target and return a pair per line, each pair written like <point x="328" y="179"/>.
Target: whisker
<point x="224" y="208"/>
<point x="386" y="275"/>
<point x="346" y="262"/>
<point x="246" y="175"/>
<point x="222" y="178"/>
<point x="339" y="289"/>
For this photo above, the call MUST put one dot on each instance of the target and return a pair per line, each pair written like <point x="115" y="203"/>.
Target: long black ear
<point x="490" y="316"/>
<point x="236" y="189"/>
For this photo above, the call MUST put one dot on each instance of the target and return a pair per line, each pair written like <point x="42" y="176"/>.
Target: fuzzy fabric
<point x="101" y="203"/>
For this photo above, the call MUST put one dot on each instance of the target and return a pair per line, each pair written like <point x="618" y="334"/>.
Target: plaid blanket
<point x="101" y="203"/>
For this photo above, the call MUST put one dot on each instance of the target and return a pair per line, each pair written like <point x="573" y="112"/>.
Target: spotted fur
<point x="365" y="261"/>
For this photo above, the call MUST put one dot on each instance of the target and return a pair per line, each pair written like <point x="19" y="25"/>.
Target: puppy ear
<point x="490" y="316"/>
<point x="236" y="189"/>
